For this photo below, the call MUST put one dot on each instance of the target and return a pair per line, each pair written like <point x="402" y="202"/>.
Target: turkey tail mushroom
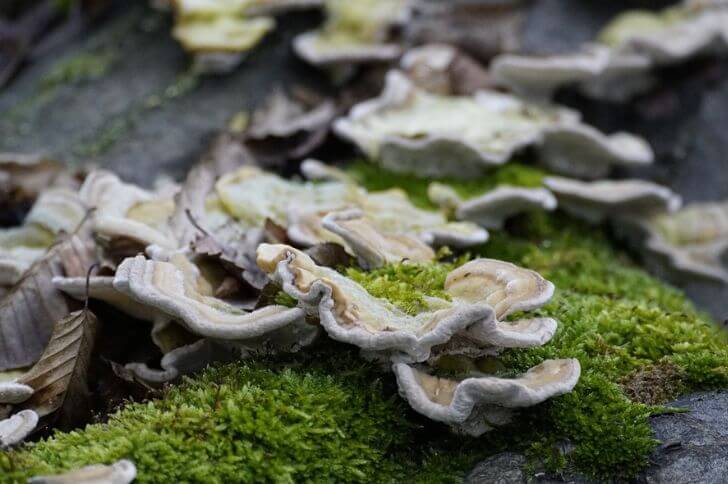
<point x="467" y="403"/>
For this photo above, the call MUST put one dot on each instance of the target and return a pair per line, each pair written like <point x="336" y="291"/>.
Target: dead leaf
<point x="59" y="378"/>
<point x="285" y="128"/>
<point x="330" y="254"/>
<point x="29" y="310"/>
<point x="224" y="155"/>
<point x="274" y="233"/>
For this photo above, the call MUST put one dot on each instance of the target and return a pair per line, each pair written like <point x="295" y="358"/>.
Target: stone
<point x="123" y="95"/>
<point x="693" y="449"/>
<point x="694" y="445"/>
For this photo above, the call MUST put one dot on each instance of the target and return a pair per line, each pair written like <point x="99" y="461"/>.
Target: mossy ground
<point x="324" y="415"/>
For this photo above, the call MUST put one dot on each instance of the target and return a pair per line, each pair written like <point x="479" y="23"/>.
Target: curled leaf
<point x="28" y="312"/>
<point x="59" y="379"/>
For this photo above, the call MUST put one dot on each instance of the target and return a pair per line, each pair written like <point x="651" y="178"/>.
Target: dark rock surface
<point x="122" y="96"/>
<point x="694" y="449"/>
<point x="695" y="444"/>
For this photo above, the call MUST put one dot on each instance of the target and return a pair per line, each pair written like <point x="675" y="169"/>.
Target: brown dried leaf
<point x="285" y="128"/>
<point x="29" y="310"/>
<point x="274" y="233"/>
<point x="60" y="376"/>
<point x="225" y="154"/>
<point x="330" y="254"/>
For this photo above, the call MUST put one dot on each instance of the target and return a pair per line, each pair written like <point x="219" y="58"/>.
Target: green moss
<point x="407" y="286"/>
<point x="324" y="415"/>
<point x="373" y="178"/>
<point x="284" y="299"/>
<point x="83" y="67"/>
<point x="256" y="422"/>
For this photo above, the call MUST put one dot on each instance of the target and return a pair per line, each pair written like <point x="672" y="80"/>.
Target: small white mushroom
<point x="493" y="208"/>
<point x="350" y="314"/>
<point x="12" y="392"/>
<point x="467" y="403"/>
<point x="594" y="201"/>
<point x="407" y="129"/>
<point x="15" y="429"/>
<point x="354" y="32"/>
<point x="121" y="472"/>
<point x="631" y="46"/>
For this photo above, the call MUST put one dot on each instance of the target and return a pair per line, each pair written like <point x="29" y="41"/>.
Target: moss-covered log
<point x="324" y="415"/>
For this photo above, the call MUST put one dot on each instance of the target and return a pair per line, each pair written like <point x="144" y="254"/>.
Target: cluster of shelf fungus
<point x="205" y="261"/>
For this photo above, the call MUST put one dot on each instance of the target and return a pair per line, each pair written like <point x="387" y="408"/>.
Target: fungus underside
<point x="326" y="415"/>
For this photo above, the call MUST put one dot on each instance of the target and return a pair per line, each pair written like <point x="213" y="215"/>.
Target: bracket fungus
<point x="166" y="293"/>
<point x="182" y="361"/>
<point x="124" y="214"/>
<point x="16" y="428"/>
<point x="163" y="286"/>
<point x="628" y="49"/>
<point x="56" y="211"/>
<point x="474" y="405"/>
<point x="596" y="69"/>
<point x="477" y="294"/>
<point x="219" y="33"/>
<point x="354" y="32"/>
<point x="121" y="472"/>
<point x="673" y="34"/>
<point x="408" y="129"/>
<point x="595" y="201"/>
<point x="693" y="240"/>
<point x="251" y="196"/>
<point x="493" y="208"/>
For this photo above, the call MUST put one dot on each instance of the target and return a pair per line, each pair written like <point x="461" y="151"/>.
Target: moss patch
<point x="324" y="415"/>
<point x="373" y="178"/>
<point x="255" y="422"/>
<point x="407" y="286"/>
<point x="86" y="66"/>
